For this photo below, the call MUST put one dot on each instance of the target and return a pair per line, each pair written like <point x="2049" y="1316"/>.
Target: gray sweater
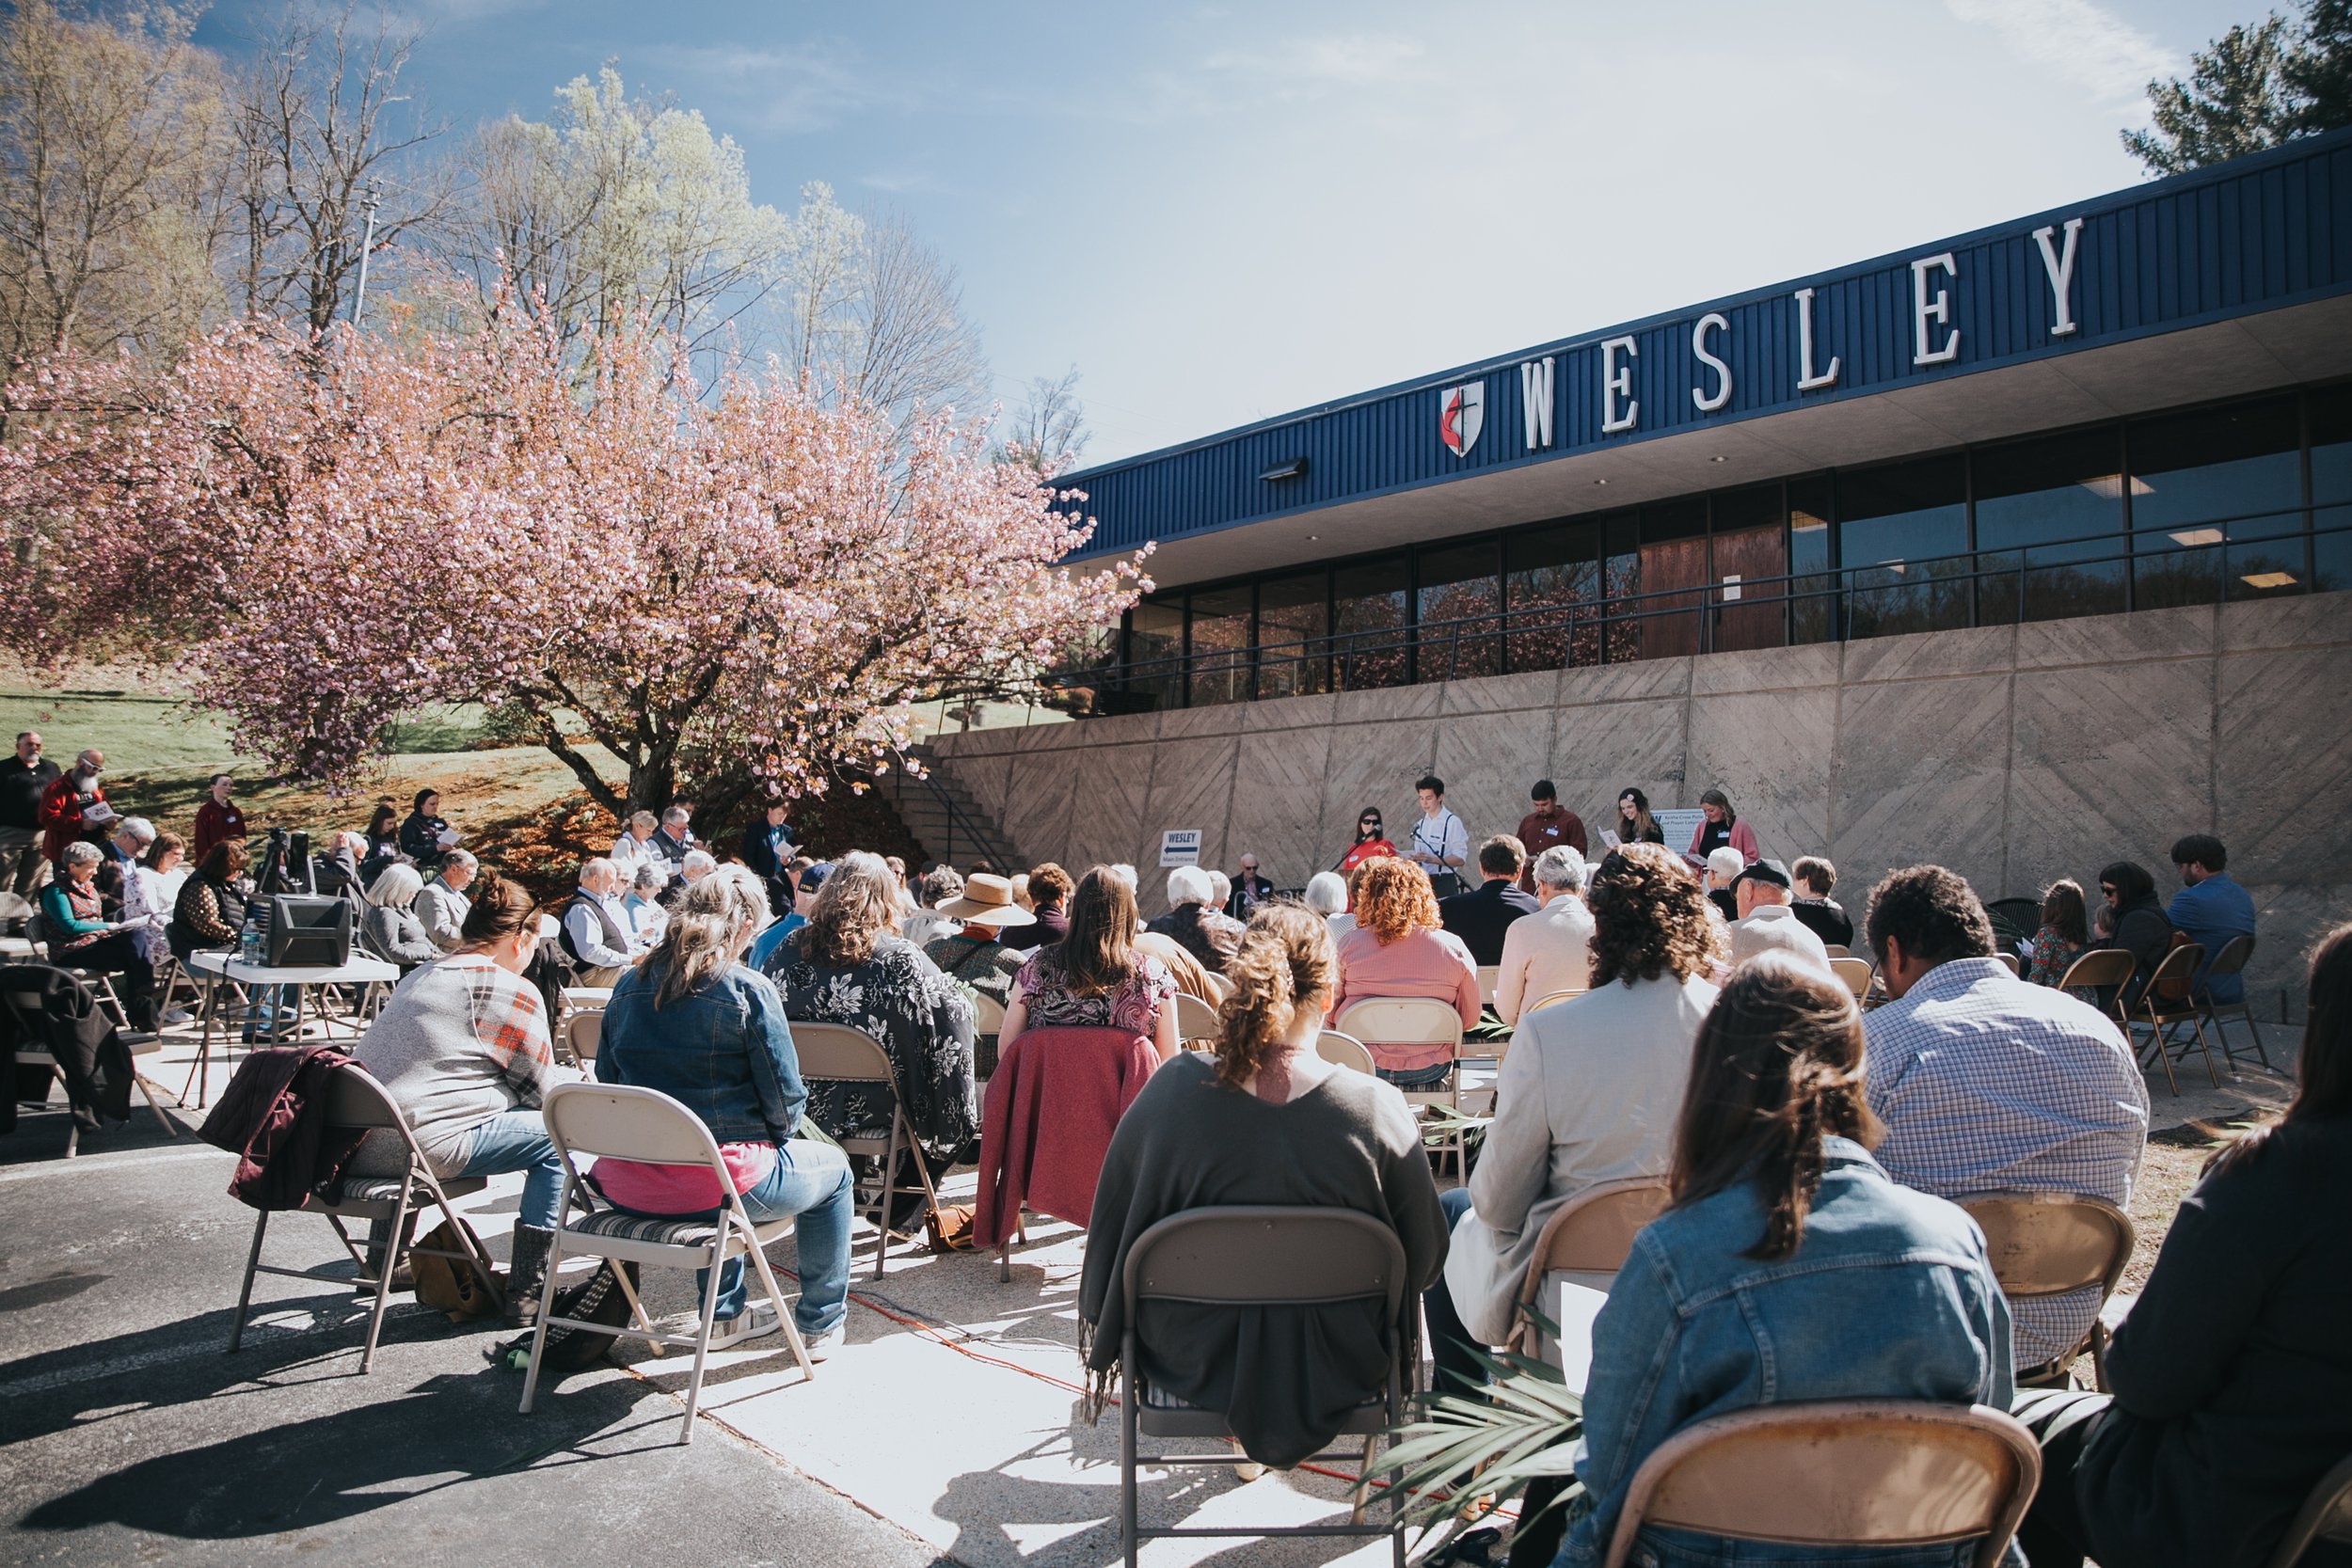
<point x="1190" y="1142"/>
<point x="461" y="1040"/>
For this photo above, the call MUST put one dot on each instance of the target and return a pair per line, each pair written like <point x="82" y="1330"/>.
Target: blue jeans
<point x="518" y="1140"/>
<point x="810" y="1183"/>
<point x="1449" y="1344"/>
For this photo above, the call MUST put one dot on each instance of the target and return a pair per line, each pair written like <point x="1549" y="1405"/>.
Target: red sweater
<point x="1053" y="1104"/>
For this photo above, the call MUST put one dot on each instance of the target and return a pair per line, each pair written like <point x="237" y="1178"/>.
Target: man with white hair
<point x="1767" y="923"/>
<point x="441" y="904"/>
<point x="1723" y="863"/>
<point x="1191" y="921"/>
<point x="595" y="931"/>
<point x="1550" y="950"/>
<point x="670" y="842"/>
<point x="74" y="808"/>
<point x="123" y="885"/>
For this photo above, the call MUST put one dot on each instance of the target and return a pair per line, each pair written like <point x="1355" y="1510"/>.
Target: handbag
<point x="449" y="1284"/>
<point x="595" y="1300"/>
<point x="948" y="1227"/>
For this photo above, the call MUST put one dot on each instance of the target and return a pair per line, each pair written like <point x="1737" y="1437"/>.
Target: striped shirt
<point x="1987" y="1084"/>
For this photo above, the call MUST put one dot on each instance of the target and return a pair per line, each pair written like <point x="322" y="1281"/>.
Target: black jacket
<point x="2142" y="930"/>
<point x="1481" y="917"/>
<point x="2234" y="1373"/>
<point x="421" y="839"/>
<point x="1824" y="919"/>
<point x="21" y="790"/>
<point x="92" y="1057"/>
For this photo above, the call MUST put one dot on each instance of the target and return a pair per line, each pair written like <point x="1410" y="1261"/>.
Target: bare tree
<point x="1048" y="431"/>
<point x="110" y="181"/>
<point x="322" y="125"/>
<point x="912" y="343"/>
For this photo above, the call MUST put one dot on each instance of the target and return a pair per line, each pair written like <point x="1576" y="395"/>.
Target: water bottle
<point x="249" y="942"/>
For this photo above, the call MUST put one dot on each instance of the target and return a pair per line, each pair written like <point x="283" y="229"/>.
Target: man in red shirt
<point x="217" y="821"/>
<point x="1546" y="827"/>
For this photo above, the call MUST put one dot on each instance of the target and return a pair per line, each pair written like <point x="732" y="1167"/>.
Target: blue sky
<point x="1222" y="212"/>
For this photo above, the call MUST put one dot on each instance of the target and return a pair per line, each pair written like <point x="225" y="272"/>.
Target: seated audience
<point x="1720" y="828"/>
<point x="642" y="905"/>
<point x="130" y="897"/>
<point x="1767" y="923"/>
<point x="1547" y="826"/>
<point x="389" y="927"/>
<point x="1723" y="866"/>
<point x="1096" y="977"/>
<point x="1553" y="949"/>
<point x="462" y="1047"/>
<point x="976" y="955"/>
<point x="163" y="871"/>
<point x="1325" y="895"/>
<point x="1185" y="970"/>
<point x="210" y="911"/>
<point x="1049" y="895"/>
<point x="849" y="965"/>
<point x="335" y="871"/>
<point x="941" y="884"/>
<point x="595" y="930"/>
<point x="669" y="843"/>
<point x="1822" y="915"/>
<point x="631" y="848"/>
<point x="2063" y="932"/>
<point x="1267" y="1121"/>
<point x="380" y="844"/>
<point x="81" y="936"/>
<point x="2233" y="1375"/>
<point x="441" y="903"/>
<point x="74" y="808"/>
<point x="1789" y="1268"/>
<point x="1482" y="915"/>
<point x="2130" y="918"/>
<point x="698" y="864"/>
<point x="1249" y="890"/>
<point x="2210" y="909"/>
<point x="1988" y="1084"/>
<point x="425" y="833"/>
<point x="1192" y="918"/>
<point x="692" y="1023"/>
<point x="1587" y="1094"/>
<point x="1398" y="948"/>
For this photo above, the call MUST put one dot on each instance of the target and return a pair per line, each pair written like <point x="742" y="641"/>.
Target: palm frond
<point x="1523" y="1425"/>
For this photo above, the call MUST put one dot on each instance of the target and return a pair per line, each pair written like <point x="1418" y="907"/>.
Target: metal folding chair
<point x="1245" y="1257"/>
<point x="1586" y="1242"/>
<point x="2047" y="1244"/>
<point x="611" y="1121"/>
<point x="1414" y="1021"/>
<point x="355" y="1100"/>
<point x="2232" y="959"/>
<point x="1196" y="1020"/>
<point x="1345" y="1051"/>
<point x="839" y="1054"/>
<point x="2326" y="1516"/>
<point x="39" y="1035"/>
<point x="2161" y="1017"/>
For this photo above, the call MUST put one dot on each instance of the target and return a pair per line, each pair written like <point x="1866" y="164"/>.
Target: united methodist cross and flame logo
<point x="1461" y="410"/>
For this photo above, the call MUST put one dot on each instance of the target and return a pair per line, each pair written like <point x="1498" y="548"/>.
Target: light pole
<point x="367" y="248"/>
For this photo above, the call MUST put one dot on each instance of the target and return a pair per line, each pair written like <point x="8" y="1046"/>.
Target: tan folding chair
<point x="2103" y="972"/>
<point x="2161" y="1016"/>
<point x="2326" y="1516"/>
<point x="2232" y="959"/>
<point x="1567" y="995"/>
<point x="583" y="1036"/>
<point x="838" y="1053"/>
<point x="13" y="908"/>
<point x="1489" y="976"/>
<point x="2009" y="961"/>
<point x="1220" y="985"/>
<point x="611" y="1121"/>
<point x="1344" y="1050"/>
<point x="356" y="1100"/>
<point x="1837" y="950"/>
<point x="1414" y="1021"/>
<point x="2046" y="1245"/>
<point x="1854" y="974"/>
<point x="1251" y="1257"/>
<point x="1196" y="1020"/>
<point x="1586" y="1242"/>
<point x="1840" y="1473"/>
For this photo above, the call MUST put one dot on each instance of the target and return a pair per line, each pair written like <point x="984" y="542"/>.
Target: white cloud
<point x="2078" y="42"/>
<point x="808" y="86"/>
<point x="1355" y="60"/>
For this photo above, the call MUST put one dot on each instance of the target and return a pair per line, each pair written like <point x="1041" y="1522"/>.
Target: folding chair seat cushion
<point x="365" y="1193"/>
<point x="620" y="1225"/>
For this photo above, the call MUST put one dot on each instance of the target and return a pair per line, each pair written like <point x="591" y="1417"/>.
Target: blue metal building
<point x="2131" y="400"/>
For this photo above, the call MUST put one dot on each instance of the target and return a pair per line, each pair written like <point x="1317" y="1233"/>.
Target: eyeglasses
<point x="2106" y="889"/>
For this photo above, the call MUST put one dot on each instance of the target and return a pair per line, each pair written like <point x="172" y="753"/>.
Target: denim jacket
<point x="1888" y="1295"/>
<point x="725" y="1051"/>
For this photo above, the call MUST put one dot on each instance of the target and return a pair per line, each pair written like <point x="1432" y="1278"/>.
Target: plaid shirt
<point x="1988" y="1083"/>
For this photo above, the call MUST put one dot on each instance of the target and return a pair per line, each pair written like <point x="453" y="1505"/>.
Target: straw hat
<point x="987" y="900"/>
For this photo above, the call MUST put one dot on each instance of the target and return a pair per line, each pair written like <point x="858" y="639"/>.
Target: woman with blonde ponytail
<point x="1264" y="1120"/>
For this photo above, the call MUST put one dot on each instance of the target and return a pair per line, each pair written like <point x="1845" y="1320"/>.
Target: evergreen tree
<point x="2318" y="70"/>
<point x="2233" y="102"/>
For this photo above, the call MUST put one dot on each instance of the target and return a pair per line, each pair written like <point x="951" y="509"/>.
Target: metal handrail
<point x="988" y="845"/>
<point x="1833" y="586"/>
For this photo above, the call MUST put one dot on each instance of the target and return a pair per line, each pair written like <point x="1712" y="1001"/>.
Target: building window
<point x="1552" y="588"/>
<point x="1903" y="538"/>
<point x="1460" y="602"/>
<point x="1620" y="581"/>
<point x="1370" y="626"/>
<point x="2053" y="510"/>
<point x="2216" y="505"/>
<point x="1155" y="650"/>
<point x="1748" y="600"/>
<point x="1294" y="624"/>
<point x="1220" y="645"/>
<point x="2331" y="416"/>
<point x="1813" y="587"/>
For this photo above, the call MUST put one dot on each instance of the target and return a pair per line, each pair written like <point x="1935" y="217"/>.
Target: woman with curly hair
<point x="1398" y="948"/>
<point x="1265" y="1120"/>
<point x="1587" y="1093"/>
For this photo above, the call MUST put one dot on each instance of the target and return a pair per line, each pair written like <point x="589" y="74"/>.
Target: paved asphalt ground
<point x="128" y="1436"/>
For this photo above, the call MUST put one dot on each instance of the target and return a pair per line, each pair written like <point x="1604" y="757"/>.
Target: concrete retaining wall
<point x="2015" y="755"/>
